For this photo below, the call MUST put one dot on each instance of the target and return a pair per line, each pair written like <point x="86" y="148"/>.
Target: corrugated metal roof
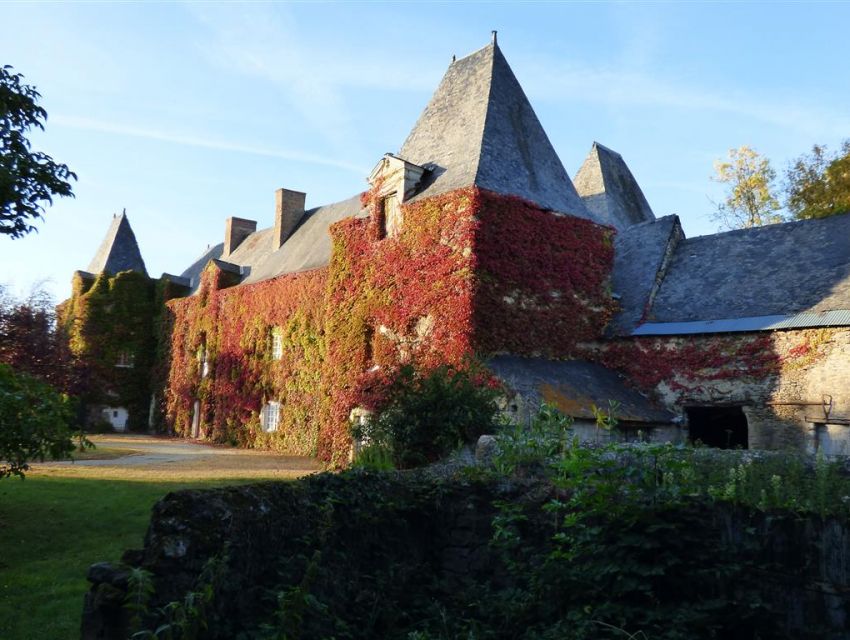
<point x="833" y="318"/>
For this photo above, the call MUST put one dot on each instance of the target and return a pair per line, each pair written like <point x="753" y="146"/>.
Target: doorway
<point x="720" y="427"/>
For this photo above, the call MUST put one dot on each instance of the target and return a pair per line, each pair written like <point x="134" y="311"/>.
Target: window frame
<point x="270" y="416"/>
<point x="277" y="344"/>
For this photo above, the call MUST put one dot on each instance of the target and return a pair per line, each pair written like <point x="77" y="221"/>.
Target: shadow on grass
<point x="51" y="530"/>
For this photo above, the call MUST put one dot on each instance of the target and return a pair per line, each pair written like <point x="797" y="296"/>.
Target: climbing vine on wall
<point x="543" y="278"/>
<point x="433" y="294"/>
<point x="109" y="324"/>
<point x="688" y="363"/>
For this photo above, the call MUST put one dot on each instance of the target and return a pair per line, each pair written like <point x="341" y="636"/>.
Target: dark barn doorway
<point x="721" y="427"/>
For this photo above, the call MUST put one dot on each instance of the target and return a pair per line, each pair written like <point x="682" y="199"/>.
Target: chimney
<point x="289" y="209"/>
<point x="235" y="231"/>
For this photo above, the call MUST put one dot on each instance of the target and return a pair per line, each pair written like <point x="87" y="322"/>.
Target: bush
<point x="429" y="413"/>
<point x="35" y="422"/>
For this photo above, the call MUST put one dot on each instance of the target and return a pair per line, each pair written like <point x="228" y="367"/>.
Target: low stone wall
<point x="423" y="539"/>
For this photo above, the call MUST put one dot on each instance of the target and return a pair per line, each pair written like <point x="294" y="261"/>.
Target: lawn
<point x="56" y="523"/>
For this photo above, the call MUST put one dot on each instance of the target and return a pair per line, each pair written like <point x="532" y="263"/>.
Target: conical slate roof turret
<point x="479" y="129"/>
<point x="119" y="250"/>
<point x="609" y="189"/>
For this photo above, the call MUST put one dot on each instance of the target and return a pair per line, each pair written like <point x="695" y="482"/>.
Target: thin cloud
<point x="86" y="124"/>
<point x="553" y="80"/>
<point x="312" y="78"/>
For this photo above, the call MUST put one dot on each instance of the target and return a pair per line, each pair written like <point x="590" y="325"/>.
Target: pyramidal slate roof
<point x="610" y="191"/>
<point x="479" y="129"/>
<point x="119" y="250"/>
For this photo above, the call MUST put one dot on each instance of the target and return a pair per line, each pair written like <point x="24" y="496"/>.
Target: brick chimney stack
<point x="235" y="231"/>
<point x="289" y="209"/>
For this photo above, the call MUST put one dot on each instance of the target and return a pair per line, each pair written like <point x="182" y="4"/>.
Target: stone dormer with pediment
<point x="396" y="181"/>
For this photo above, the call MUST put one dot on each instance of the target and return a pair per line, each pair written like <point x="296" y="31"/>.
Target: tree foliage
<point x="28" y="179"/>
<point x="817" y="185"/>
<point x="35" y="422"/>
<point x="750" y="199"/>
<point x="429" y="413"/>
<point x="31" y="342"/>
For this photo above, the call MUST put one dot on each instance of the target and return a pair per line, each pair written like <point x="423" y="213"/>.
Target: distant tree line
<point x="815" y="185"/>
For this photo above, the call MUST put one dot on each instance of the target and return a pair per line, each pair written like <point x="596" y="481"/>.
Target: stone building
<point x="472" y="240"/>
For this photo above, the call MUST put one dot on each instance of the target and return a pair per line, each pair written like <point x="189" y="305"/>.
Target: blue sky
<point x="185" y="114"/>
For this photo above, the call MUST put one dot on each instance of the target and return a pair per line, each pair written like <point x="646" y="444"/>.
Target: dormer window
<point x="394" y="180"/>
<point x="277" y="343"/>
<point x="270" y="416"/>
<point x="392" y="216"/>
<point x="126" y="359"/>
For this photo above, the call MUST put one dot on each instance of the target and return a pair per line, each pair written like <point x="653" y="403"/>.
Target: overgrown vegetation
<point x="36" y="422"/>
<point x="470" y="273"/>
<point x="427" y="414"/>
<point x="552" y="540"/>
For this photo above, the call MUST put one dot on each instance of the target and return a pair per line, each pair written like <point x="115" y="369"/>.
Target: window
<point x="270" y="416"/>
<point x="277" y="343"/>
<point x="203" y="360"/>
<point x="392" y="215"/>
<point x="125" y="360"/>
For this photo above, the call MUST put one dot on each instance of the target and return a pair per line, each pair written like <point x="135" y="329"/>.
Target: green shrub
<point x="35" y="422"/>
<point x="374" y="457"/>
<point x="430" y="413"/>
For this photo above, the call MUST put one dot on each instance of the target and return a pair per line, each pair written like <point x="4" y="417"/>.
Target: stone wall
<point x="770" y="376"/>
<point x="357" y="541"/>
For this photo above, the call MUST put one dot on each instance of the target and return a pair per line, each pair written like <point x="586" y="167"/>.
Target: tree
<point x="427" y="413"/>
<point x="35" y="422"/>
<point x="31" y="342"/>
<point x="749" y="201"/>
<point x="818" y="185"/>
<point x="28" y="179"/>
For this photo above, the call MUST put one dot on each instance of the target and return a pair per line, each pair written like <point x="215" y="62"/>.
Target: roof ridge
<point x="480" y="143"/>
<point x="479" y="50"/>
<point x="784" y="224"/>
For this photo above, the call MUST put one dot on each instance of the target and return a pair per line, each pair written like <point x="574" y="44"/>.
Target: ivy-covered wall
<point x="461" y="279"/>
<point x="773" y="375"/>
<point x="542" y="285"/>
<point x="109" y="322"/>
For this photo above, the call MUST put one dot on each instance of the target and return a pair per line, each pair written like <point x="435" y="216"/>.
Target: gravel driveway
<point x="129" y="456"/>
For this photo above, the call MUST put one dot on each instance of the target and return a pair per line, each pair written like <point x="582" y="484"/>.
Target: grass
<point x="61" y="519"/>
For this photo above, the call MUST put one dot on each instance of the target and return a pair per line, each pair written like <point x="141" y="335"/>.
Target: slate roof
<point x="639" y="256"/>
<point x="775" y="270"/>
<point x="574" y="386"/>
<point x="308" y="247"/>
<point x="610" y="191"/>
<point x="119" y="250"/>
<point x="479" y="129"/>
